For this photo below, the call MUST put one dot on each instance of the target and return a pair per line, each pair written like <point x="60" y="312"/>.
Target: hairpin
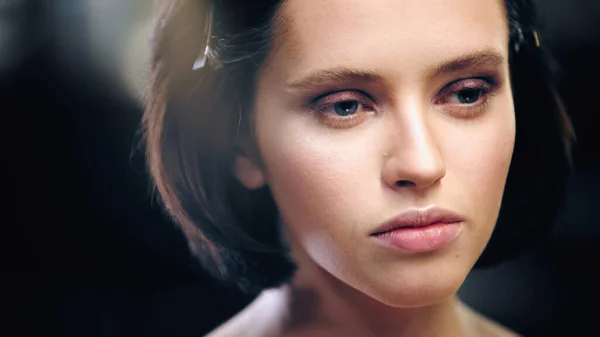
<point x="522" y="39"/>
<point x="536" y="38"/>
<point x="202" y="59"/>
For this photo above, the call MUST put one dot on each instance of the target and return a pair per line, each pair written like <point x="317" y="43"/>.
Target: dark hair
<point x="195" y="119"/>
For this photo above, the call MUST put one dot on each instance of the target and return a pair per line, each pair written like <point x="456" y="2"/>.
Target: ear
<point x="248" y="173"/>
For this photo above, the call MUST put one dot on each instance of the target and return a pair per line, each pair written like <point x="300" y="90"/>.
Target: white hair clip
<point x="522" y="39"/>
<point x="202" y="59"/>
<point x="536" y="38"/>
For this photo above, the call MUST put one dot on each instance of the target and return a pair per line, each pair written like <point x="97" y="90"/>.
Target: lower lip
<point x="420" y="239"/>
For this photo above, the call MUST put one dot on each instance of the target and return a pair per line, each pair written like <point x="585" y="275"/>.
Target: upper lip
<point x="418" y="218"/>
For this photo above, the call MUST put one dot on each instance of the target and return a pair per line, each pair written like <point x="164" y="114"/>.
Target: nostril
<point x="405" y="183"/>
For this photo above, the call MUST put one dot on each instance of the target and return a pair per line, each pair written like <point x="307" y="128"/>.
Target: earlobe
<point x="248" y="173"/>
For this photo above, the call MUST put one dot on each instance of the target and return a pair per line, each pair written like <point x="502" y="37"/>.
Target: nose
<point x="414" y="159"/>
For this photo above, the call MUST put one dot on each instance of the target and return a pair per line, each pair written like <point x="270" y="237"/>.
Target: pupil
<point x="346" y="108"/>
<point x="468" y="96"/>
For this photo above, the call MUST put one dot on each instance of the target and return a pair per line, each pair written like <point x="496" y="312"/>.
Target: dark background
<point x="85" y="250"/>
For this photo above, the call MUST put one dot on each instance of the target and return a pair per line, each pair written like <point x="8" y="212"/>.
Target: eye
<point x="342" y="110"/>
<point x="346" y="108"/>
<point x="467" y="98"/>
<point x="469" y="95"/>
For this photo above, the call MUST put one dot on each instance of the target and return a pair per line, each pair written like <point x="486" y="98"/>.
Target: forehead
<point x="386" y="34"/>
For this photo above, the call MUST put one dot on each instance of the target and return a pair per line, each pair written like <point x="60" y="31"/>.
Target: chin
<point x="417" y="295"/>
<point x="419" y="287"/>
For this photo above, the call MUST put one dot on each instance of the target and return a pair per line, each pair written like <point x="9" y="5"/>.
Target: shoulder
<point x="485" y="326"/>
<point x="492" y="329"/>
<point x="261" y="318"/>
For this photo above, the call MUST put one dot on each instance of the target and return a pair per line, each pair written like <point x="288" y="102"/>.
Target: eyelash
<point x="324" y="104"/>
<point x="487" y="87"/>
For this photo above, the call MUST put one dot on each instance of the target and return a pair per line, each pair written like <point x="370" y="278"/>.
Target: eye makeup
<point x="467" y="98"/>
<point x="343" y="109"/>
<point x="463" y="98"/>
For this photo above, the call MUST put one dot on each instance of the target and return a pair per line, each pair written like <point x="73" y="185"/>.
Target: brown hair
<point x="194" y="121"/>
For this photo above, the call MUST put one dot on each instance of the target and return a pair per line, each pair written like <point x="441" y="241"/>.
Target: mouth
<point x="419" y="230"/>
<point x="417" y="219"/>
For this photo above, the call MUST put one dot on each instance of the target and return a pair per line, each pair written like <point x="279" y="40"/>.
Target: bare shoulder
<point x="493" y="329"/>
<point x="261" y="318"/>
<point x="486" y="327"/>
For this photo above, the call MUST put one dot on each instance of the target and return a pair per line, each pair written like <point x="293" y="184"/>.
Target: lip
<point x="419" y="230"/>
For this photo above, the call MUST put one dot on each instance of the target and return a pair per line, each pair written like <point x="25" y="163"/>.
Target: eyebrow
<point x="335" y="75"/>
<point x="486" y="58"/>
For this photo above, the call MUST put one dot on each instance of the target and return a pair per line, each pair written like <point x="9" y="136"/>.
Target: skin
<point x="411" y="142"/>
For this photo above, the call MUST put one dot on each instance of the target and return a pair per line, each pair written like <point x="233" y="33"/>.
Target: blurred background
<point x="86" y="252"/>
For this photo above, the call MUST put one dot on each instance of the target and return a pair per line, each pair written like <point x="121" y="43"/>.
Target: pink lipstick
<point x="419" y="231"/>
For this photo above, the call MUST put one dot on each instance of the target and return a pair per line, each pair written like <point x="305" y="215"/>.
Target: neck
<point x="316" y="299"/>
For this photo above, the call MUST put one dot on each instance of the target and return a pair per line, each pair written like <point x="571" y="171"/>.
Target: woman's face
<point x="368" y="109"/>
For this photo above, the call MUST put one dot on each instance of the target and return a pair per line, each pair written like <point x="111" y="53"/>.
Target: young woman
<point x="351" y="159"/>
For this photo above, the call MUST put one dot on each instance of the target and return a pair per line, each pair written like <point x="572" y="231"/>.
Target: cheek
<point x="479" y="165"/>
<point x="317" y="179"/>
